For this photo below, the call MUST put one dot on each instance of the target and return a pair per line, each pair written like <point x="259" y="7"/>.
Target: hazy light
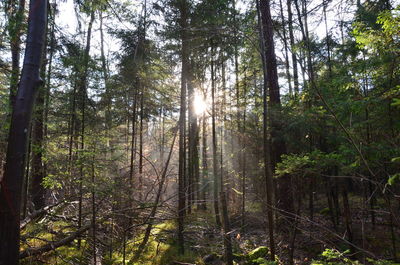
<point x="199" y="104"/>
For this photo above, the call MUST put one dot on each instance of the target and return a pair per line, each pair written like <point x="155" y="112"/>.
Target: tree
<point x="11" y="183"/>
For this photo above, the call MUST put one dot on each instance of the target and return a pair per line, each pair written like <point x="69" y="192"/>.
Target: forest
<point x="208" y="132"/>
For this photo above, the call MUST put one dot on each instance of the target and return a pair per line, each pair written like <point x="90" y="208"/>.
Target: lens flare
<point x="199" y="104"/>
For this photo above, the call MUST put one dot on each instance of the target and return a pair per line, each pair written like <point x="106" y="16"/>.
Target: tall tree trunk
<point x="205" y="185"/>
<point x="132" y="157"/>
<point x="272" y="151"/>
<point x="94" y="230"/>
<point x="141" y="143"/>
<point x="328" y="46"/>
<point x="108" y="97"/>
<point x="292" y="47"/>
<point x="214" y="140"/>
<point x="11" y="183"/>
<point x="16" y="21"/>
<point x="226" y="230"/>
<point x="183" y="22"/>
<point x="83" y="95"/>
<point x="278" y="144"/>
<point x="192" y="144"/>
<point x="38" y="191"/>
<point x="152" y="214"/>
<point x="286" y="49"/>
<point x="52" y="16"/>
<point x="243" y="157"/>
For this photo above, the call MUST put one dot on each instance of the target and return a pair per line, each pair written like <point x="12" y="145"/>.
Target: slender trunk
<point x="11" y="183"/>
<point x="192" y="144"/>
<point x="266" y="141"/>
<point x="183" y="22"/>
<point x="83" y="95"/>
<point x="328" y="46"/>
<point x="15" y="31"/>
<point x="25" y="191"/>
<point x="243" y="158"/>
<point x="72" y="129"/>
<point x="214" y="140"/>
<point x="238" y="106"/>
<point x="108" y="98"/>
<point x="286" y="53"/>
<point x="292" y="47"/>
<point x="132" y="158"/>
<point x="94" y="211"/>
<point x="141" y="145"/>
<point x="226" y="229"/>
<point x="347" y="215"/>
<point x="38" y="191"/>
<point x="205" y="186"/>
<point x="52" y="11"/>
<point x="151" y="217"/>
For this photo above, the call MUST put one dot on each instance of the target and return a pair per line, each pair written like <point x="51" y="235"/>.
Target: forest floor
<point x="316" y="242"/>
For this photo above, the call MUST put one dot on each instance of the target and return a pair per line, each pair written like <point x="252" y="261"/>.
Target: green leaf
<point x="392" y="179"/>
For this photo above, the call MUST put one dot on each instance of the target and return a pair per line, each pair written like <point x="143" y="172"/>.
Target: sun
<point x="199" y="104"/>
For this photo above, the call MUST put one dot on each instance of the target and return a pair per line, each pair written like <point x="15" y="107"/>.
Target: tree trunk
<point x="140" y="188"/>
<point x="214" y="141"/>
<point x="11" y="183"/>
<point x="83" y="95"/>
<point x="152" y="215"/>
<point x="292" y="47"/>
<point x="38" y="192"/>
<point x="183" y="22"/>
<point x="278" y="144"/>
<point x="16" y="18"/>
<point x="286" y="49"/>
<point x="205" y="185"/>
<point x="192" y="143"/>
<point x="226" y="230"/>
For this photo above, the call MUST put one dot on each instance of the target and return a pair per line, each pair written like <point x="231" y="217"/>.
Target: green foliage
<point x="258" y="256"/>
<point x="259" y="252"/>
<point x="309" y="164"/>
<point x="335" y="257"/>
<point x="393" y="179"/>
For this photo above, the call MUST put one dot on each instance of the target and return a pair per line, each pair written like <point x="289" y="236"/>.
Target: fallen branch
<point x="53" y="245"/>
<point x="150" y="218"/>
<point x="182" y="263"/>
<point x="37" y="214"/>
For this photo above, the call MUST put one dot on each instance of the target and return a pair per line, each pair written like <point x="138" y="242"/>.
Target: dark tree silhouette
<point x="11" y="184"/>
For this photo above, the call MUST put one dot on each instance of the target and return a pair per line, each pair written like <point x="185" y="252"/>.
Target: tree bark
<point x="11" y="183"/>
<point x="16" y="18"/>
<point x="286" y="49"/>
<point x="292" y="47"/>
<point x="83" y="95"/>
<point x="226" y="230"/>
<point x="183" y="23"/>
<point x="214" y="141"/>
<point x="278" y="146"/>
<point x="205" y="181"/>
<point x="38" y="192"/>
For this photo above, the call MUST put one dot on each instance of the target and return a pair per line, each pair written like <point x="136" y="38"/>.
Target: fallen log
<point x="53" y="245"/>
<point x="37" y="214"/>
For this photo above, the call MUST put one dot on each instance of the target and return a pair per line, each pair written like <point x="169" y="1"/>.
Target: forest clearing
<point x="207" y="132"/>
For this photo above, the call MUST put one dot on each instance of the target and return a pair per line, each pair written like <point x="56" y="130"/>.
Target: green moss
<point x="263" y="261"/>
<point x="259" y="252"/>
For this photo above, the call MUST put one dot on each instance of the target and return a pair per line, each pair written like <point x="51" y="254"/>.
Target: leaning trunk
<point x="11" y="184"/>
